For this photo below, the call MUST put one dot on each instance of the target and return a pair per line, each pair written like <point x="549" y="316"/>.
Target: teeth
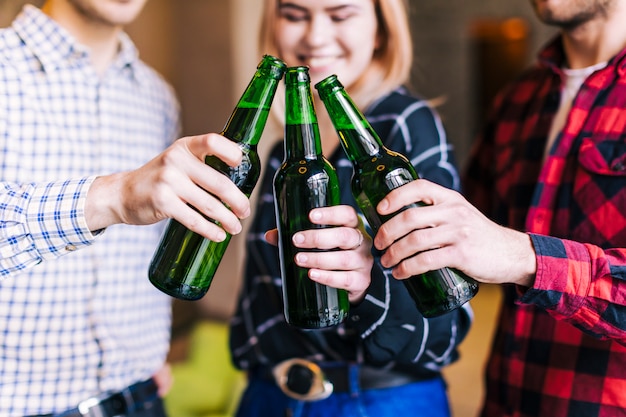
<point x="321" y="61"/>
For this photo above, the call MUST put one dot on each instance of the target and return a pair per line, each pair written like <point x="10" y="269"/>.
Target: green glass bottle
<point x="377" y="171"/>
<point x="304" y="181"/>
<point x="185" y="262"/>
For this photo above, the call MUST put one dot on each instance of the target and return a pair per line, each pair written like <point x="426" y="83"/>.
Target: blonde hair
<point x="391" y="61"/>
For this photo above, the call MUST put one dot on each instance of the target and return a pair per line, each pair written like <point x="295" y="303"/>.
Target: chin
<point x="318" y="74"/>
<point x="120" y="12"/>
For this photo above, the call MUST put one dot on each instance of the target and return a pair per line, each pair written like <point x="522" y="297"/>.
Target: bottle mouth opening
<point x="274" y="66"/>
<point x="328" y="86"/>
<point x="297" y="75"/>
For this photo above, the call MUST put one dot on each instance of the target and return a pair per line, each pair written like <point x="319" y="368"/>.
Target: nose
<point x="319" y="31"/>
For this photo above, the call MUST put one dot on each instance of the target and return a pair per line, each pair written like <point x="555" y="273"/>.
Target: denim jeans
<point x="428" y="398"/>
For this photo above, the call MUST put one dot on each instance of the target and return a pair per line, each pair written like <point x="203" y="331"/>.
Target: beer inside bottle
<point x="304" y="181"/>
<point x="185" y="262"/>
<point x="377" y="171"/>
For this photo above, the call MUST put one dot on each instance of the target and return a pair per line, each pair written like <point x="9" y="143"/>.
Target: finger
<point x="209" y="205"/>
<point x="361" y="239"/>
<point x="417" y="191"/>
<point x="163" y="379"/>
<point x="334" y="260"/>
<point x="406" y="247"/>
<point x="271" y="236"/>
<point x="218" y="191"/>
<point x="417" y="241"/>
<point x="353" y="282"/>
<point x="329" y="238"/>
<point x="341" y="215"/>
<point x="214" y="210"/>
<point x="413" y="218"/>
<point x="212" y="144"/>
<point x="409" y="267"/>
<point x="211" y="179"/>
<point x="195" y="222"/>
<point x="423" y="262"/>
<point x="216" y="183"/>
<point x="195" y="181"/>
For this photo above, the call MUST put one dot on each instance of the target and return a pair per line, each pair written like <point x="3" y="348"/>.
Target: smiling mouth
<point x="319" y="62"/>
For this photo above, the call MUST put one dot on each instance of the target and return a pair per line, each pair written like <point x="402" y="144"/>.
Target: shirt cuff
<point x="56" y="217"/>
<point x="562" y="278"/>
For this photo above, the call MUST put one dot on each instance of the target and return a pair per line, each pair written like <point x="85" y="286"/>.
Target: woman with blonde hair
<point x="386" y="358"/>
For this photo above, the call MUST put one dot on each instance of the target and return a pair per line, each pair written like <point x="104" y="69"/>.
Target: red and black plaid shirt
<point x="560" y="347"/>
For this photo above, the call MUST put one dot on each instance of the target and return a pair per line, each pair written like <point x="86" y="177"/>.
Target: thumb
<point x="271" y="236"/>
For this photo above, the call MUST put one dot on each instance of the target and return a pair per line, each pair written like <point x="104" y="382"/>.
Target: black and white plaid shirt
<point x="386" y="328"/>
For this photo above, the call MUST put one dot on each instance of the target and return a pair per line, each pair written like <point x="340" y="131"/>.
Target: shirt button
<point x="355" y="318"/>
<point x="618" y="166"/>
<point x="70" y="248"/>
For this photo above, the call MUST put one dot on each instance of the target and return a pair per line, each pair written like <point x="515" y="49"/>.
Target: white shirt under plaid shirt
<point x="78" y="315"/>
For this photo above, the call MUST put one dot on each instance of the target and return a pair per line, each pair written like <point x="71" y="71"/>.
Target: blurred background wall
<point x="464" y="51"/>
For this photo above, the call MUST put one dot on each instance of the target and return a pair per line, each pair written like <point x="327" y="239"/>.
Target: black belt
<point x="305" y="380"/>
<point x="137" y="397"/>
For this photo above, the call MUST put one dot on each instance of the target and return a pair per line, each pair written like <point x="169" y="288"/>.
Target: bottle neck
<point x="302" y="136"/>
<point x="246" y="123"/>
<point x="357" y="137"/>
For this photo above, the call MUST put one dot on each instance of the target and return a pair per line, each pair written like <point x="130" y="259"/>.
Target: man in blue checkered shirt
<point x="82" y="330"/>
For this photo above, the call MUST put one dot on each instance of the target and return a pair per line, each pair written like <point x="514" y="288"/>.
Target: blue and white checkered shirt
<point x="78" y="315"/>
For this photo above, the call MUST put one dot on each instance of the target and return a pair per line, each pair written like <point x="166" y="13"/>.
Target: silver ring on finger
<point x="358" y="245"/>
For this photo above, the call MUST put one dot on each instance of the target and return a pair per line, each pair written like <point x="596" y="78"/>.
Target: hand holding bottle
<point x="449" y="231"/>
<point x="185" y="262"/>
<point x="168" y="185"/>
<point x="377" y="171"/>
<point x="347" y="267"/>
<point x="304" y="181"/>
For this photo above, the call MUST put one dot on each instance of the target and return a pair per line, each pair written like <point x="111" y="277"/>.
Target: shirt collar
<point x="553" y="56"/>
<point x="56" y="48"/>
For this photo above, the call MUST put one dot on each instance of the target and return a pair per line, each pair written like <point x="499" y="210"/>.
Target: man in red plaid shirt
<point x="550" y="172"/>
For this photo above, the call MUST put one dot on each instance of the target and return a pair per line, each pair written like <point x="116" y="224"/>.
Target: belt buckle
<point x="302" y="380"/>
<point x="91" y="406"/>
